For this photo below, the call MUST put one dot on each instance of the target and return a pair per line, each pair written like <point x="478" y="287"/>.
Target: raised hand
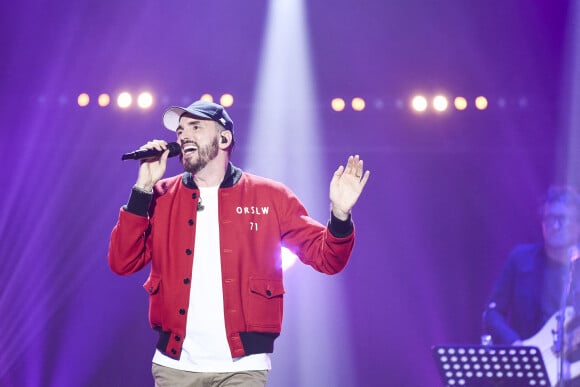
<point x="346" y="186"/>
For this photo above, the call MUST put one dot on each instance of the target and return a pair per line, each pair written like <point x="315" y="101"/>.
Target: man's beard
<point x="204" y="156"/>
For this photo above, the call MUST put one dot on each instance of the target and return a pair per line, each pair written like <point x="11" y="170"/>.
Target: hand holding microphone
<point x="153" y="157"/>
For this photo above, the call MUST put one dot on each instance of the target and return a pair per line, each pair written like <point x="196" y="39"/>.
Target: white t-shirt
<point x="205" y="347"/>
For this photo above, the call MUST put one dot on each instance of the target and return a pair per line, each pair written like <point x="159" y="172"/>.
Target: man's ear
<point x="225" y="138"/>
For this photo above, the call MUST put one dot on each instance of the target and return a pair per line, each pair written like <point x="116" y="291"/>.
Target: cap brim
<point x="172" y="115"/>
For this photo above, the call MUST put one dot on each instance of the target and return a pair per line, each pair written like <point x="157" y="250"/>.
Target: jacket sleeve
<point x="129" y="246"/>
<point x="326" y="249"/>
<point x="496" y="313"/>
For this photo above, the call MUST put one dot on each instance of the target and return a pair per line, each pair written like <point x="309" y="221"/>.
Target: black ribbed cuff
<point x="139" y="202"/>
<point x="340" y="228"/>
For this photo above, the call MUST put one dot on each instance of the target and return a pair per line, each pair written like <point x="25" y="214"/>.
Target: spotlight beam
<point x="285" y="144"/>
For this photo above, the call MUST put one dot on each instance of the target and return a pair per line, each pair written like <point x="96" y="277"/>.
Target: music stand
<point x="487" y="366"/>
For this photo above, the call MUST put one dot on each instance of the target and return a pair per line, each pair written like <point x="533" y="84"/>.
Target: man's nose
<point x="185" y="137"/>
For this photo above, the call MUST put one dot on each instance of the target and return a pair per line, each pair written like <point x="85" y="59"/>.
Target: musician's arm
<point x="499" y="307"/>
<point x="497" y="326"/>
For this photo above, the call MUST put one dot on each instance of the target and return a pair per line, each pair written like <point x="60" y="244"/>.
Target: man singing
<point x="213" y="236"/>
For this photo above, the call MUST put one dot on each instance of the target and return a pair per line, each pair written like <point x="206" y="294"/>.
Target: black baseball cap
<point x="200" y="109"/>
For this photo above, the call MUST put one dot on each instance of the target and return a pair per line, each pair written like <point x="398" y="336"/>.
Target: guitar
<point x="544" y="340"/>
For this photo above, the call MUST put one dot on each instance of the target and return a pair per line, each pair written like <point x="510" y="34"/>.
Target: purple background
<point x="448" y="197"/>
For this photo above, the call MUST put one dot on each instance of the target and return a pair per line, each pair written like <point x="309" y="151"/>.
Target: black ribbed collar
<point x="232" y="176"/>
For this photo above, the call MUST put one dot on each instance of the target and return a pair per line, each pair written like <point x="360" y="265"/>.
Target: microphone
<point x="573" y="253"/>
<point x="140" y="154"/>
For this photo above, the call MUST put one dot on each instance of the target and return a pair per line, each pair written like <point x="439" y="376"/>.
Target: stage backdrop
<point x="449" y="194"/>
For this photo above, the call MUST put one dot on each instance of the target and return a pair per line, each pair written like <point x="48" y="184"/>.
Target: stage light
<point x="337" y="104"/>
<point x="460" y="103"/>
<point x="145" y="100"/>
<point x="440" y="103"/>
<point x="419" y="103"/>
<point x="358" y="104"/>
<point x="227" y="100"/>
<point x="104" y="100"/>
<point x="288" y="258"/>
<point x="207" y="97"/>
<point x="124" y="100"/>
<point x="83" y="99"/>
<point x="481" y="102"/>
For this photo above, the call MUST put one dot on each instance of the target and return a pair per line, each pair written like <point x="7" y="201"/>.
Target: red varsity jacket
<point x="256" y="216"/>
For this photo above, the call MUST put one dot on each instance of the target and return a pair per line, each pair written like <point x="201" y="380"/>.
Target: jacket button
<point x="177" y="338"/>
<point x="188" y="251"/>
<point x="190" y="222"/>
<point x="173" y="351"/>
<point x="194" y="195"/>
<point x="268" y="293"/>
<point x="186" y="281"/>
<point x="182" y="311"/>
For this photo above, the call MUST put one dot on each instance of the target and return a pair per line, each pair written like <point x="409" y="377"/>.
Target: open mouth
<point x="188" y="148"/>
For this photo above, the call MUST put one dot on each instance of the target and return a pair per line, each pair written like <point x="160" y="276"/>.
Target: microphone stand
<point x="559" y="343"/>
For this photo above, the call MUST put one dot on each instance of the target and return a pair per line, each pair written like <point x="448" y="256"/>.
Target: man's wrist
<point x="339" y="214"/>
<point x="143" y="188"/>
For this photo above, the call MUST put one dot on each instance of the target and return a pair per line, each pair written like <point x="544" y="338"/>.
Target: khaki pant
<point x="169" y="377"/>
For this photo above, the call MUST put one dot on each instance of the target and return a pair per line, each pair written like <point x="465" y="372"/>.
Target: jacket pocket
<point x="153" y="286"/>
<point x="266" y="303"/>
